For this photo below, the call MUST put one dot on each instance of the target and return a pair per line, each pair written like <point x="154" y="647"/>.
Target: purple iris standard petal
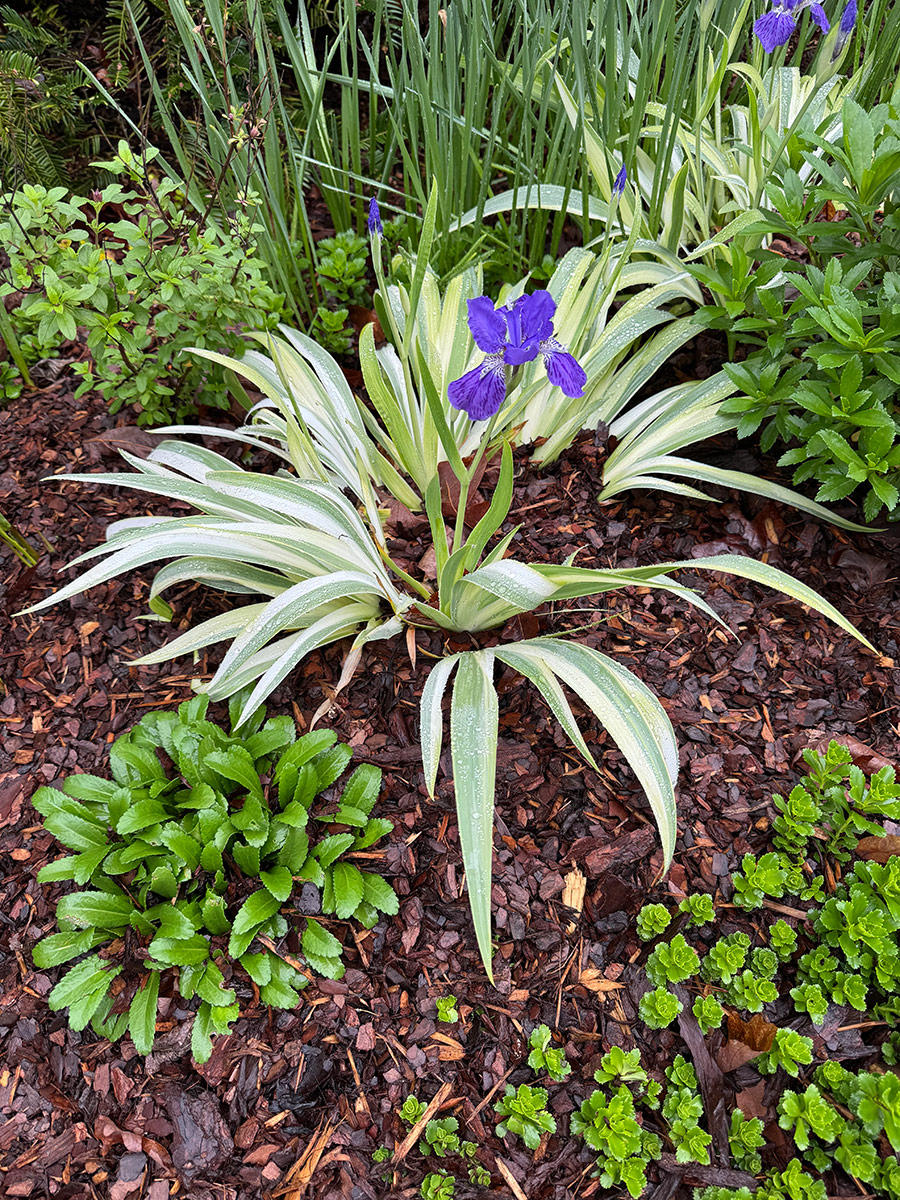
<point x="817" y="12"/>
<point x="480" y="392"/>
<point x="487" y="325"/>
<point x="374" y="224"/>
<point x="564" y="371"/>
<point x="529" y="321"/>
<point x="774" y="29"/>
<point x="848" y="18"/>
<point x="619" y="182"/>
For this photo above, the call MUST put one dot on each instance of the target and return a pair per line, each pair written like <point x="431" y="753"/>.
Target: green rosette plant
<point x="184" y="861"/>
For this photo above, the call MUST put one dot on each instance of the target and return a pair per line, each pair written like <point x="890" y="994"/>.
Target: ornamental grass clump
<point x="184" y="861"/>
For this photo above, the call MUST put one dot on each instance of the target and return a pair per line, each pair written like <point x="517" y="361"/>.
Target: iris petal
<point x="481" y="391"/>
<point x="848" y="17"/>
<point x="774" y="29"/>
<point x="537" y="310"/>
<point x="487" y="325"/>
<point x="817" y="12"/>
<point x="565" y="372"/>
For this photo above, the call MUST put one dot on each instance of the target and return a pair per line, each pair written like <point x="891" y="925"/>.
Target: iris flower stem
<point x="459" y="531"/>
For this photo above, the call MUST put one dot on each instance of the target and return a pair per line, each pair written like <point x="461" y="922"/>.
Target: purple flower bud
<point x="848" y="18"/>
<point x="374" y="222"/>
<point x="620" y="180"/>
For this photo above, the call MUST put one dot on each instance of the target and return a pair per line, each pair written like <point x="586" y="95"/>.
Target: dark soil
<point x="294" y="1103"/>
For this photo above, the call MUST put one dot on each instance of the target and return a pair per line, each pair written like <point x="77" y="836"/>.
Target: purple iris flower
<point x="374" y="224"/>
<point x="774" y="28"/>
<point x="509" y="337"/>
<point x="620" y="181"/>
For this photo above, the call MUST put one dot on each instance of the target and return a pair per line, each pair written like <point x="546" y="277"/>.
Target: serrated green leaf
<point x="253" y="912"/>
<point x="59" y="948"/>
<point x="258" y="967"/>
<point x="180" y="952"/>
<point x="379" y="893"/>
<point x="319" y="941"/>
<point x="247" y="858"/>
<point x="279" y="882"/>
<point x="347" y="882"/>
<point x="332" y="847"/>
<point x="210" y="986"/>
<point x="104" y="910"/>
<point x="236" y="764"/>
<point x="141" y="816"/>
<point x="213" y="913"/>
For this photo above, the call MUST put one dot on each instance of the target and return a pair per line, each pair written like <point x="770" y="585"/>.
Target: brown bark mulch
<point x="293" y="1103"/>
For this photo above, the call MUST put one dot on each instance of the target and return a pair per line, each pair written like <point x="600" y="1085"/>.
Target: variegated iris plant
<point x="305" y="554"/>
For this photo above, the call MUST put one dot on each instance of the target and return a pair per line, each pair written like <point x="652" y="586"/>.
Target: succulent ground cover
<point x="312" y="1093"/>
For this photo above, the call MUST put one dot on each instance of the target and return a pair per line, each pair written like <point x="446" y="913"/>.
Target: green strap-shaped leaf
<point x="473" y="743"/>
<point x="634" y="717"/>
<point x="431" y="718"/>
<point x="528" y="662"/>
<point x="284" y="612"/>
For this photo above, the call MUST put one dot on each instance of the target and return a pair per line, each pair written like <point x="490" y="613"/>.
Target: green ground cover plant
<point x="190" y="853"/>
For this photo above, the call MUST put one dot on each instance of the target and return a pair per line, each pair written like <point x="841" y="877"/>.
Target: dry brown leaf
<point x="300" y="1175"/>
<point x="596" y="981"/>
<point x="878" y="849"/>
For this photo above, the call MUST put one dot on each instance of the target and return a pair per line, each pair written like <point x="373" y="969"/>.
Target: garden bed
<point x="309" y="1094"/>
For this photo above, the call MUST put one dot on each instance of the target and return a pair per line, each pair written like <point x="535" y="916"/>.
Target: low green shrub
<point x="185" y="859"/>
<point x="148" y="285"/>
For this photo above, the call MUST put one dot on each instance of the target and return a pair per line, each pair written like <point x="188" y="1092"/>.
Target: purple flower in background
<point x="374" y="224"/>
<point x="510" y="336"/>
<point x="845" y="27"/>
<point x="774" y="28"/>
<point x="620" y="181"/>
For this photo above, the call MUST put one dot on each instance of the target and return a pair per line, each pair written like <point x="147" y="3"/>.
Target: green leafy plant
<point x="709" y="1013"/>
<point x="790" y="1050"/>
<point x="828" y="378"/>
<point x="412" y="1110"/>
<point x="726" y="958"/>
<point x="437" y="1186"/>
<point x="446" y="1009"/>
<point x="147" y="287"/>
<point x="835" y="800"/>
<point x="340" y="267"/>
<point x="745" y="1138"/>
<point x="758" y="878"/>
<point x="544" y="1057"/>
<point x="672" y="962"/>
<point x="610" y="1126"/>
<point x="192" y="834"/>
<point x="524" y="1112"/>
<point x="652" y="920"/>
<point x="783" y="939"/>
<point x="441" y="1137"/>
<point x="659" y="1008"/>
<point x="807" y="1113"/>
<point x="700" y="907"/>
<point x="381" y="1154"/>
<point x="617" y="1063"/>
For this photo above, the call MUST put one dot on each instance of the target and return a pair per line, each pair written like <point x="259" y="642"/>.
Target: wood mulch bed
<point x="294" y="1103"/>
